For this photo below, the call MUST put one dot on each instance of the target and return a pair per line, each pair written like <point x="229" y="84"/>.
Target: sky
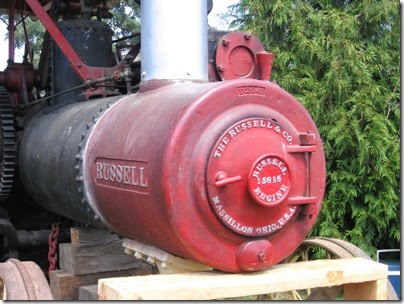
<point x="219" y="7"/>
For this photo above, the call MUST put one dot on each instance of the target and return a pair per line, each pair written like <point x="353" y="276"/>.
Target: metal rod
<point x="19" y="21"/>
<point x="11" y="30"/>
<point x="31" y="59"/>
<point x="38" y="237"/>
<point x="87" y="84"/>
<point x="126" y="38"/>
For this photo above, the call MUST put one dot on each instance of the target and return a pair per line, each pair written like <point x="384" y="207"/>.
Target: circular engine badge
<point x="248" y="173"/>
<point x="268" y="180"/>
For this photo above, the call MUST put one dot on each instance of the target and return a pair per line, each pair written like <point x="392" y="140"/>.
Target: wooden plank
<point x="87" y="237"/>
<point x="88" y="293"/>
<point x="374" y="290"/>
<point x="86" y="260"/>
<point x="65" y="286"/>
<point x="214" y="285"/>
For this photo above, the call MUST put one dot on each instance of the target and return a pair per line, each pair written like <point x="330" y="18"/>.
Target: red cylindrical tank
<point x="230" y="174"/>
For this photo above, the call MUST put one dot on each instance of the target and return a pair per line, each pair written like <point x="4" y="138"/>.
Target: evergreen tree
<point x="341" y="60"/>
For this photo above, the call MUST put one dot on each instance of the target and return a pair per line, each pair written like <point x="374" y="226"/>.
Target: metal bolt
<point x="247" y="36"/>
<point x="262" y="256"/>
<point x="225" y="41"/>
<point x="221" y="68"/>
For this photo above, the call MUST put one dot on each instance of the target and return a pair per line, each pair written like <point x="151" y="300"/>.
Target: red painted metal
<point x="236" y="56"/>
<point x="53" y="243"/>
<point x="19" y="76"/>
<point x="269" y="180"/>
<point x="255" y="255"/>
<point x="22" y="281"/>
<point x="175" y="167"/>
<point x="265" y="176"/>
<point x="264" y="63"/>
<point x="19" y="79"/>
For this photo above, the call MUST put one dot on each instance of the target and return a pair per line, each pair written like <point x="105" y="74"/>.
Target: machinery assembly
<point x="190" y="149"/>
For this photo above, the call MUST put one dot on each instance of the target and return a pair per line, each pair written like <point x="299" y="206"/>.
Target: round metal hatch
<point x="248" y="177"/>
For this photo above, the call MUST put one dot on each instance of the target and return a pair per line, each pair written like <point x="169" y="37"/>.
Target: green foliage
<point x="126" y="19"/>
<point x="35" y="32"/>
<point x="341" y="60"/>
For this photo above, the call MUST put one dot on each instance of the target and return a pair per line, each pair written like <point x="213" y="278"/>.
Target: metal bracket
<point x="308" y="142"/>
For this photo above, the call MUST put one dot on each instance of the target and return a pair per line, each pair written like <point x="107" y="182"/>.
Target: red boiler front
<point x="229" y="174"/>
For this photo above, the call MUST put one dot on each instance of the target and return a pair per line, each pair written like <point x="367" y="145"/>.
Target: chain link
<point x="53" y="242"/>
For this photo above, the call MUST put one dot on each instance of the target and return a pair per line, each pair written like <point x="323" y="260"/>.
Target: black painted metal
<point x="39" y="237"/>
<point x="7" y="145"/>
<point x="50" y="158"/>
<point x="92" y="41"/>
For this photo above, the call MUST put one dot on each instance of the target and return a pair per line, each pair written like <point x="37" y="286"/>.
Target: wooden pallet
<point x="362" y="280"/>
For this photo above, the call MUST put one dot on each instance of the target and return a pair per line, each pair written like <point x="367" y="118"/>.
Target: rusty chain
<point x="53" y="242"/>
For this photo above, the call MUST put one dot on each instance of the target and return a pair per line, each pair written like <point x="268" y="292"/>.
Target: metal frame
<point x="84" y="72"/>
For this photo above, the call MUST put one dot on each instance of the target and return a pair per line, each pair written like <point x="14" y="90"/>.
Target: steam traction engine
<point x="192" y="149"/>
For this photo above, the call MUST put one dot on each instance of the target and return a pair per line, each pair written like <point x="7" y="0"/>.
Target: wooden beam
<point x="88" y="293"/>
<point x="65" y="286"/>
<point x="87" y="237"/>
<point x="86" y="260"/>
<point x="374" y="290"/>
<point x="215" y="285"/>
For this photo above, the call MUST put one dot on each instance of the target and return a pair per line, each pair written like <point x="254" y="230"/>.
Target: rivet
<point x="221" y="68"/>
<point x="225" y="41"/>
<point x="261" y="256"/>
